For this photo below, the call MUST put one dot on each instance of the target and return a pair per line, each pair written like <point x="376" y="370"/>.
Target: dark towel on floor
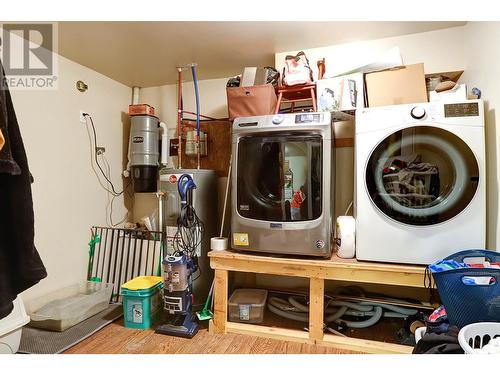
<point x="20" y="264"/>
<point x="439" y="343"/>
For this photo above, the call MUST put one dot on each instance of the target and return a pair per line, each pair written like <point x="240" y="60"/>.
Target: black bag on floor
<point x="443" y="343"/>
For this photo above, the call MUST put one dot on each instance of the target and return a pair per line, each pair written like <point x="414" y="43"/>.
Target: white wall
<point x="441" y="51"/>
<point x="481" y="46"/>
<point x="67" y="197"/>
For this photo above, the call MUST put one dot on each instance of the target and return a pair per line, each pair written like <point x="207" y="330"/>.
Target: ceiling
<point x="146" y="54"/>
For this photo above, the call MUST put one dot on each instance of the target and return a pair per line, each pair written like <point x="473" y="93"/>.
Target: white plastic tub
<point x="11" y="328"/>
<point x="62" y="309"/>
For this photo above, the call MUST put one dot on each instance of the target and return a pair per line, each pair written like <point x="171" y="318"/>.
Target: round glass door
<point x="279" y="177"/>
<point x="422" y="175"/>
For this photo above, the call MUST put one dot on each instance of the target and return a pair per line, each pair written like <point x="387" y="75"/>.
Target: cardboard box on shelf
<point x="140" y="109"/>
<point x="402" y="85"/>
<point x="443" y="86"/>
<point x="434" y="79"/>
<point x="251" y="101"/>
<point x="344" y="93"/>
<point x="457" y="93"/>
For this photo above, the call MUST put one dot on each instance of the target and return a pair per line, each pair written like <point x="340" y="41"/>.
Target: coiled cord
<point x="190" y="230"/>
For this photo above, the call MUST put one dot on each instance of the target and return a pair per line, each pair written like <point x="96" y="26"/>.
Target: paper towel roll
<point x="345" y="239"/>
<point x="218" y="243"/>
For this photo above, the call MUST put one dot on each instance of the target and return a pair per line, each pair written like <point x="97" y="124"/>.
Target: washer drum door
<point x="422" y="175"/>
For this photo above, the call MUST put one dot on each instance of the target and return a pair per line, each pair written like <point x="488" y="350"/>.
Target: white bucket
<point x="11" y="328"/>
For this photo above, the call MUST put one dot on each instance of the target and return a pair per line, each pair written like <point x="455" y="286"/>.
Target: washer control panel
<point x="306" y="118"/>
<point x="282" y="120"/>
<point x="461" y="109"/>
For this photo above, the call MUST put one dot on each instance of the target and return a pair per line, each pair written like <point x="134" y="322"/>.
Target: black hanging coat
<point x="20" y="264"/>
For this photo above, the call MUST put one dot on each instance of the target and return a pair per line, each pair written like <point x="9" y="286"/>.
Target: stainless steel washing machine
<point x="282" y="199"/>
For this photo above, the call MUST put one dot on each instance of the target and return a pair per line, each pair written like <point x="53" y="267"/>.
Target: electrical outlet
<point x="82" y="117"/>
<point x="100" y="150"/>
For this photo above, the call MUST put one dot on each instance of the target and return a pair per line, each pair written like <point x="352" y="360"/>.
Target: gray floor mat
<point x="37" y="341"/>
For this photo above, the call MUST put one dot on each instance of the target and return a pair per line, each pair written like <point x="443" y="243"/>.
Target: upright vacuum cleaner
<point x="178" y="268"/>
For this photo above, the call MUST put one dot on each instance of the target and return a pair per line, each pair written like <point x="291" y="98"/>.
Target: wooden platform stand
<point x="317" y="271"/>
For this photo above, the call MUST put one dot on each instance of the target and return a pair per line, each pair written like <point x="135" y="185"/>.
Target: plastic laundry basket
<point x="467" y="304"/>
<point x="11" y="328"/>
<point x="142" y="301"/>
<point x="475" y="336"/>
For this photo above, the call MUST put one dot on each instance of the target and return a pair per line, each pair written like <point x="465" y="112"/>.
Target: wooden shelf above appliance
<point x="329" y="269"/>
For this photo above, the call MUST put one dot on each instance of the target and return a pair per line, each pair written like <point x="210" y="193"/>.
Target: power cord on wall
<point x="86" y="115"/>
<point x="109" y="206"/>
<point x="110" y="189"/>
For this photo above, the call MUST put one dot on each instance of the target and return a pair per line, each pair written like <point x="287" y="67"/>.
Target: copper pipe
<point x="179" y="119"/>
<point x="207" y="117"/>
<point x="321" y="68"/>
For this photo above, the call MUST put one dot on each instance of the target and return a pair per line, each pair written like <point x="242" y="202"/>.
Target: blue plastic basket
<point x="466" y="304"/>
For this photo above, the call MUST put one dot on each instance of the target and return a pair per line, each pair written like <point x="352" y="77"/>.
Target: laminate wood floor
<point x="116" y="339"/>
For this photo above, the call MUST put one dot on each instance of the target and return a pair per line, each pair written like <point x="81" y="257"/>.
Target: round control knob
<point x="278" y="119"/>
<point x="417" y="113"/>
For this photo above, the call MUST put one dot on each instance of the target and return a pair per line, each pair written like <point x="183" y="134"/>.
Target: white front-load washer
<point x="420" y="181"/>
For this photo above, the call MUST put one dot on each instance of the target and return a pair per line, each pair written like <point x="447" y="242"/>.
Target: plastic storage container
<point x="467" y="304"/>
<point x="142" y="301"/>
<point x="474" y="336"/>
<point x="11" y="327"/>
<point x="68" y="306"/>
<point x="247" y="305"/>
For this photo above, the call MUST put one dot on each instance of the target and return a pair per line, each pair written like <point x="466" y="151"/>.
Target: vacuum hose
<point x="335" y="310"/>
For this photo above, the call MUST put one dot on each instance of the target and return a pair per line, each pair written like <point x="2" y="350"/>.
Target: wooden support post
<point x="220" y="302"/>
<point x="316" y="308"/>
<point x="278" y="103"/>
<point x="313" y="98"/>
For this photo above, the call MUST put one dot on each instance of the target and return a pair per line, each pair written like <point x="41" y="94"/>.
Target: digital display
<point x="461" y="109"/>
<point x="304" y="118"/>
<point x="244" y="124"/>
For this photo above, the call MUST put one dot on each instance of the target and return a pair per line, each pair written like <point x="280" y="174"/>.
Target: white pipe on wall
<point x="165" y="148"/>
<point x="136" y="95"/>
